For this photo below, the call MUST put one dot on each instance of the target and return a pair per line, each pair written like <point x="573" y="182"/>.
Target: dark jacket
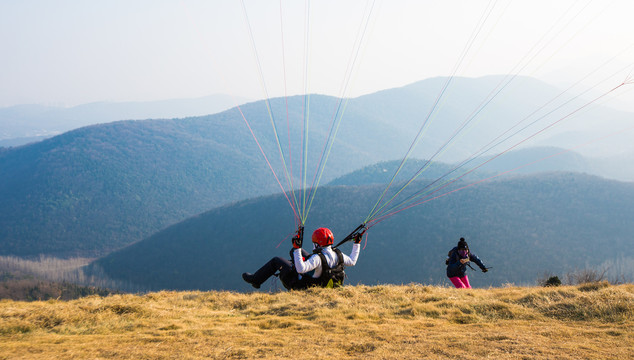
<point x="455" y="268"/>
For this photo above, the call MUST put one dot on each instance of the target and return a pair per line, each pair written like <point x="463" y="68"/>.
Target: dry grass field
<point x="591" y="321"/>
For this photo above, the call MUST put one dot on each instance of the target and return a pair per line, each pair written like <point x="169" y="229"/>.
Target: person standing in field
<point x="457" y="261"/>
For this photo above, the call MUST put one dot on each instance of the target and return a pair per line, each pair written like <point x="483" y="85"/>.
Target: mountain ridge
<point x="99" y="188"/>
<point x="521" y="226"/>
<point x="22" y="124"/>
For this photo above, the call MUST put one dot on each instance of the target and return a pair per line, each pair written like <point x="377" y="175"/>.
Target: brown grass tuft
<point x="593" y="321"/>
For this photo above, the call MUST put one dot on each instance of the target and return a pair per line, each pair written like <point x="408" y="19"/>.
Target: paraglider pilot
<point x="457" y="261"/>
<point x="322" y="268"/>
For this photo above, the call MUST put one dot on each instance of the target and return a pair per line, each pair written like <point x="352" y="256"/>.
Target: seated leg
<point x="266" y="271"/>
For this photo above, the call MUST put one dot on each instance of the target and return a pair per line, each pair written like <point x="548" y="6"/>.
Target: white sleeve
<point x="354" y="255"/>
<point x="302" y="266"/>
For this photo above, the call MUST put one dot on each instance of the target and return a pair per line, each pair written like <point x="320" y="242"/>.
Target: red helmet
<point x="323" y="237"/>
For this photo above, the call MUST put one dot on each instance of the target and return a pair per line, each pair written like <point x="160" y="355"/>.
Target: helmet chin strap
<point x="316" y="248"/>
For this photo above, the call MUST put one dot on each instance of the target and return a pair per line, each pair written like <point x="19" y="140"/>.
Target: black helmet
<point x="462" y="244"/>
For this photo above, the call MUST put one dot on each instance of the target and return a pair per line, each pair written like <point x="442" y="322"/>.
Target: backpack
<point x="332" y="277"/>
<point x="449" y="255"/>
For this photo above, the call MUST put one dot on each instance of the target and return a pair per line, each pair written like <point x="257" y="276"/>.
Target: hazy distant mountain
<point x="532" y="160"/>
<point x="99" y="188"/>
<point x="23" y="140"/>
<point x="382" y="173"/>
<point x="24" y="124"/>
<point x="522" y="227"/>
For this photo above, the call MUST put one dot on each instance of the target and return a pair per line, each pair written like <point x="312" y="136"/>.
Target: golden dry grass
<point x="594" y="321"/>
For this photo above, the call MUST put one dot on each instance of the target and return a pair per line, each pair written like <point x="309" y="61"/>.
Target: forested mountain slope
<point x="522" y="227"/>
<point x="96" y="189"/>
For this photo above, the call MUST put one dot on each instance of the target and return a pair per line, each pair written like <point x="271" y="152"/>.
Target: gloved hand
<point x="297" y="241"/>
<point x="357" y="238"/>
<point x="485" y="270"/>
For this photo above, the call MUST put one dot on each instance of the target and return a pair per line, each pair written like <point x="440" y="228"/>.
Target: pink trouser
<point x="461" y="282"/>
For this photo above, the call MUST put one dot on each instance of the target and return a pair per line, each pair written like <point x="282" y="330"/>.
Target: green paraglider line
<point x="339" y="111"/>
<point x="267" y="161"/>
<point x="306" y="113"/>
<point x="434" y="108"/>
<point x="486" y="148"/>
<point x="627" y="81"/>
<point x="301" y="207"/>
<point x="377" y="220"/>
<point x="493" y="94"/>
<point x="267" y="102"/>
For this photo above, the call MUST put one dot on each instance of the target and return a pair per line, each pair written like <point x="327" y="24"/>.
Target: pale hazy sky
<point x="69" y="52"/>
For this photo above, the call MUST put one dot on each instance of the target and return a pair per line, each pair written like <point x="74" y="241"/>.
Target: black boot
<point x="248" y="277"/>
<point x="265" y="272"/>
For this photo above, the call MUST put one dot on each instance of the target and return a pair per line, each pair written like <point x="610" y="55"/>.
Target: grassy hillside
<point x="591" y="321"/>
<point x="45" y="278"/>
<point x="30" y="289"/>
<point x="522" y="227"/>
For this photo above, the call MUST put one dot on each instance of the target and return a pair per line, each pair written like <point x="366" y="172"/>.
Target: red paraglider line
<point x="465" y="51"/>
<point x="267" y="161"/>
<point x="482" y="150"/>
<point x="286" y="238"/>
<point x="334" y="124"/>
<point x="288" y="125"/>
<point x="627" y="81"/>
<point x="269" y="107"/>
<point x="492" y="95"/>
